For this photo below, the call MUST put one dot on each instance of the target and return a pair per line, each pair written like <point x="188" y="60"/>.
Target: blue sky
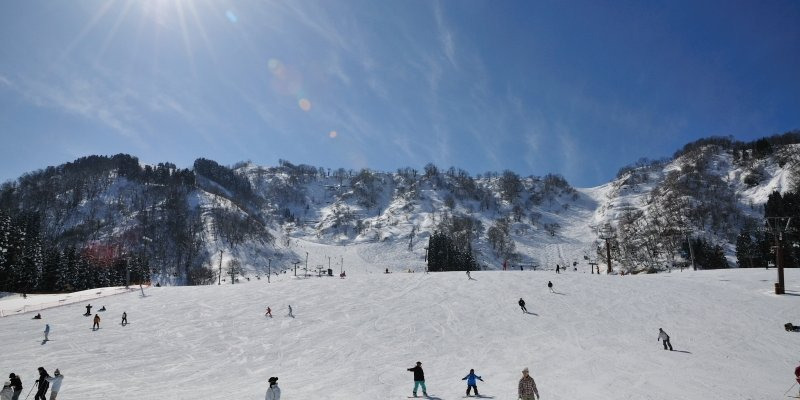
<point x="570" y="87"/>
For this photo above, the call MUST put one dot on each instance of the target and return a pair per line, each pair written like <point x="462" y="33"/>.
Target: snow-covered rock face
<point x="354" y="338"/>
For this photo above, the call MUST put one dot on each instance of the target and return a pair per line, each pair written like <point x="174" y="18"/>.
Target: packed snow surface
<point x="354" y="338"/>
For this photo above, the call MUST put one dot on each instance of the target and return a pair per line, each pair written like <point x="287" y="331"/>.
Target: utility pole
<point x="269" y="269"/>
<point x="591" y="267"/>
<point x="777" y="227"/>
<point x="341" y="264"/>
<point x="306" y="264"/>
<point x="295" y="267"/>
<point x="219" y="276"/>
<point x="606" y="235"/>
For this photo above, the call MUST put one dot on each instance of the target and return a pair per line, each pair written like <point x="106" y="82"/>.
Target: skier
<point x="665" y="338"/>
<point x="43" y="384"/>
<point x="471" y="383"/>
<point x="96" y="323"/>
<point x="419" y="379"/>
<point x="527" y="387"/>
<point x="16" y="383"/>
<point x="522" y="305"/>
<point x="797" y="376"/>
<point x="290" y="311"/>
<point x="550" y="285"/>
<point x="124" y="318"/>
<point x="468" y="277"/>
<point x="46" y="331"/>
<point x="56" y="382"/>
<point x="274" y="392"/>
<point x="558" y="269"/>
<point x="88" y="310"/>
<point x="269" y="312"/>
<point x="7" y="391"/>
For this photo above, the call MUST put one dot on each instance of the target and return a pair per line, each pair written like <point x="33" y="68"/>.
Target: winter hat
<point x="273" y="379"/>
<point x="11" y="376"/>
<point x="525" y="370"/>
<point x="57" y="372"/>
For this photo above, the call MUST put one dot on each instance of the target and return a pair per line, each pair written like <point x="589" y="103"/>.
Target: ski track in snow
<point x="354" y="338"/>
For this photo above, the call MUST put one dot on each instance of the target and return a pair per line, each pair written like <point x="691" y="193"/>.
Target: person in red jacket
<point x="797" y="375"/>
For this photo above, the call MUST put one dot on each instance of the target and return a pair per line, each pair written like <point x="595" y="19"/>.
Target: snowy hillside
<point x="354" y="338"/>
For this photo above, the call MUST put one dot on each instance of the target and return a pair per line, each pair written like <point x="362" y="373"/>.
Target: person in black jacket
<point x="16" y="383"/>
<point x="43" y="384"/>
<point x="522" y="305"/>
<point x="419" y="379"/>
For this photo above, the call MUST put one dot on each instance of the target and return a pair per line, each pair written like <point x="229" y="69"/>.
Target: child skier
<point x="471" y="381"/>
<point x="550" y="285"/>
<point x="419" y="379"/>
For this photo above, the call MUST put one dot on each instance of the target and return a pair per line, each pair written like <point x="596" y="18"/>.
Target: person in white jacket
<point x="274" y="392"/>
<point x="55" y="383"/>
<point x="7" y="391"/>
<point x="665" y="338"/>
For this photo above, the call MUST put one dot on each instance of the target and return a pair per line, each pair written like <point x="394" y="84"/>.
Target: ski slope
<point x="354" y="338"/>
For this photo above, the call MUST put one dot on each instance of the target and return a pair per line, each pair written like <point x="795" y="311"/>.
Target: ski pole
<point x="29" y="392"/>
<point x="784" y="393"/>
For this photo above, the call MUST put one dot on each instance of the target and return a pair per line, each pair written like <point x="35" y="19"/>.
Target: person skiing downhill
<point x="419" y="379"/>
<point x="522" y="305"/>
<point x="46" y="331"/>
<point x="268" y="313"/>
<point x="96" y="323"/>
<point x="527" y="387"/>
<point x="558" y="269"/>
<point x="665" y="338"/>
<point x="55" y="381"/>
<point x="290" y="311"/>
<point x="43" y="384"/>
<point x="124" y="318"/>
<point x="550" y="286"/>
<point x="88" y="310"/>
<point x="274" y="392"/>
<point x="16" y="383"/>
<point x="471" y="381"/>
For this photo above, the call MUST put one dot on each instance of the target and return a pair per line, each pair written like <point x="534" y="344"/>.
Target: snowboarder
<point x="274" y="392"/>
<point x="269" y="312"/>
<point x="471" y="381"/>
<point x="37" y="316"/>
<point x="16" y="383"/>
<point x="124" y="318"/>
<point x="550" y="286"/>
<point x="558" y="269"/>
<point x="46" y="331"/>
<point x="290" y="311"/>
<point x="103" y="308"/>
<point x="419" y="379"/>
<point x="96" y="324"/>
<point x="43" y="384"/>
<point x="55" y="381"/>
<point x="7" y="391"/>
<point x="88" y="310"/>
<point x="665" y="338"/>
<point x="527" y="387"/>
<point x="522" y="305"/>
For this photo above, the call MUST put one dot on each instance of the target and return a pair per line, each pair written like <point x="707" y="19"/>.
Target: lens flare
<point x="305" y="104"/>
<point x="273" y="64"/>
<point x="231" y="16"/>
<point x="333" y="134"/>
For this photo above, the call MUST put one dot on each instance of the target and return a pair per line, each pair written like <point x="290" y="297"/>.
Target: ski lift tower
<point x="607" y="234"/>
<point x="778" y="226"/>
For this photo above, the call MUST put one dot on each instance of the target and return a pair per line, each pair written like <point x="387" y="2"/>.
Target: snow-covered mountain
<point x="194" y="223"/>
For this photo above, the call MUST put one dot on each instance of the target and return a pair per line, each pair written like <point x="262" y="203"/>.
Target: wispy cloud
<point x="445" y="34"/>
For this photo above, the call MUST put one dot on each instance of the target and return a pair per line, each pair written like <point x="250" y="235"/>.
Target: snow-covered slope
<point x="354" y="338"/>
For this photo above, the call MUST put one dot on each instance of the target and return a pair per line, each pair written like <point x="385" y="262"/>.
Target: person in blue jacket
<point x="471" y="381"/>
